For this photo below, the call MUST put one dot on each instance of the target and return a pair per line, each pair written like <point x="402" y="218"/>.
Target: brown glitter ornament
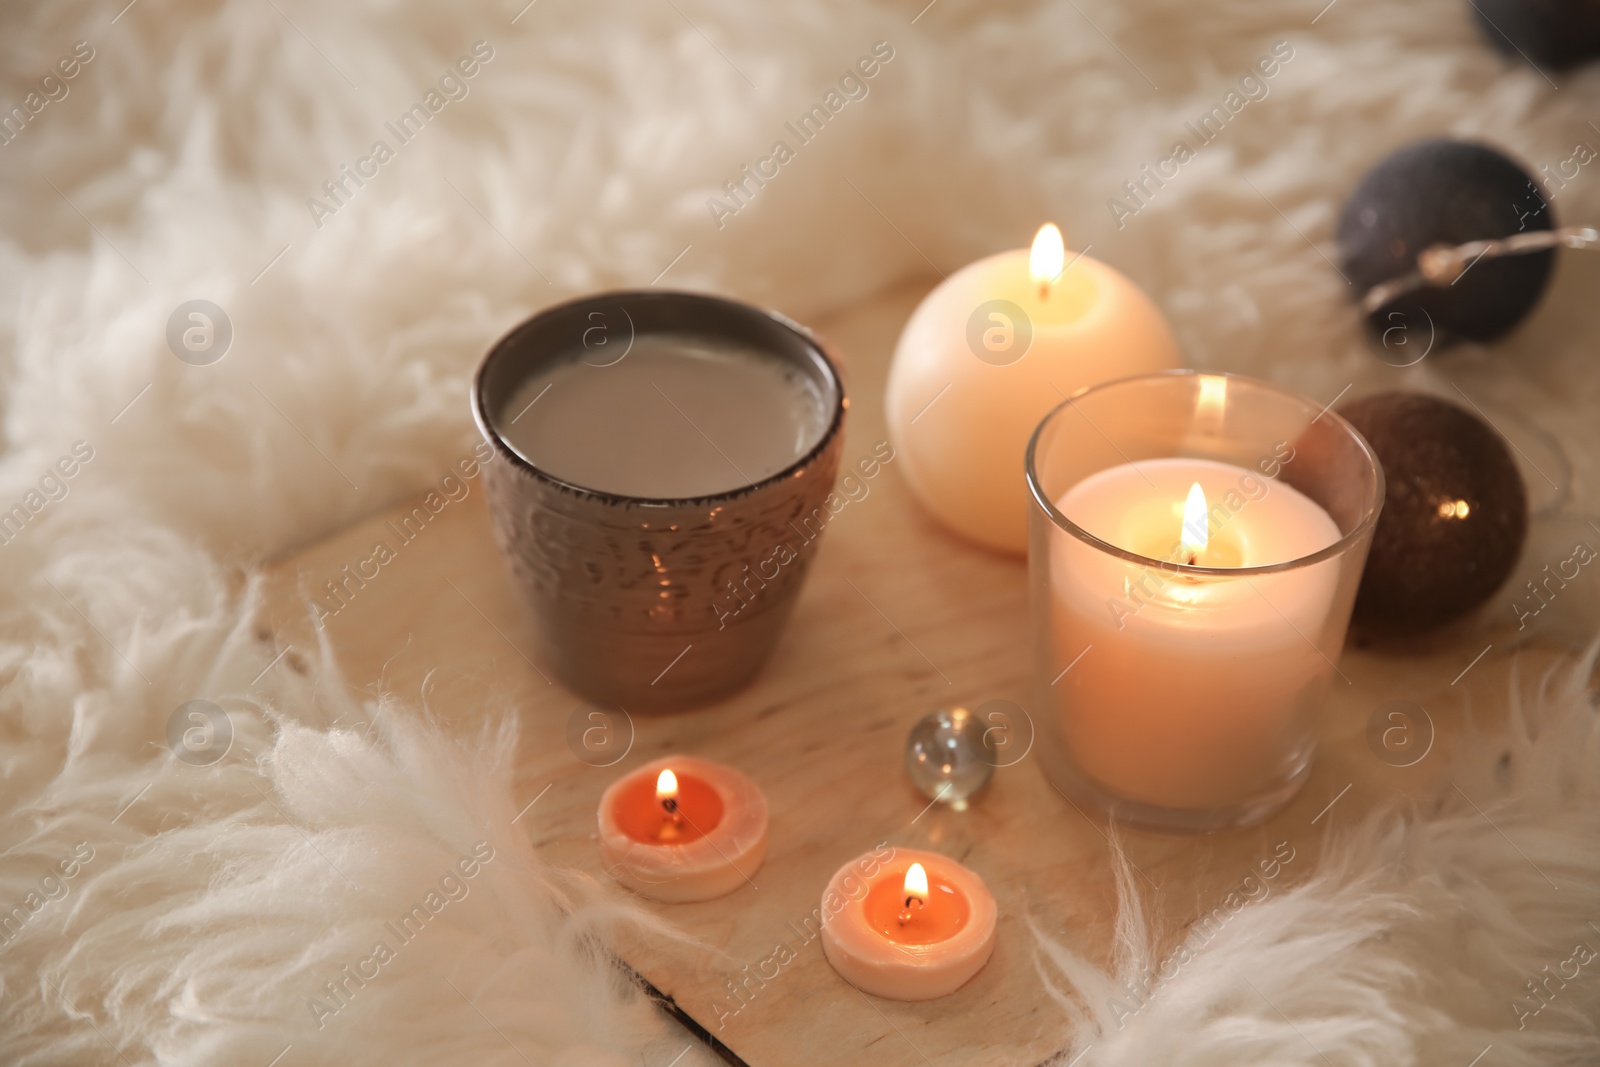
<point x="1455" y="513"/>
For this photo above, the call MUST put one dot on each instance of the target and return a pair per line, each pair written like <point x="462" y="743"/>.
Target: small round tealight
<point x="919" y="927"/>
<point x="681" y="829"/>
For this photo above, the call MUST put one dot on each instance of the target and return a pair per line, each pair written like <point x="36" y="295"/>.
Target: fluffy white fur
<point x="1412" y="944"/>
<point x="179" y="167"/>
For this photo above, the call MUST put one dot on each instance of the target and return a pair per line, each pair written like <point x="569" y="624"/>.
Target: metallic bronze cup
<point x="654" y="604"/>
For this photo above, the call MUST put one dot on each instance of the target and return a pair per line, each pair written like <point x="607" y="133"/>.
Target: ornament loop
<point x="1440" y="266"/>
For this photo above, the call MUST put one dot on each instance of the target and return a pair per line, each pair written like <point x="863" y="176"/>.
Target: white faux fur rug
<point x="1447" y="935"/>
<point x="178" y="915"/>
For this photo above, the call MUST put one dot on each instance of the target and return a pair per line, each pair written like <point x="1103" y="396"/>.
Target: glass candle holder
<point x="1195" y="545"/>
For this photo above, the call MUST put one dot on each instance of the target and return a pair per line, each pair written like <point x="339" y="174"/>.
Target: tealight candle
<point x="921" y="929"/>
<point x="682" y="829"/>
<point x="987" y="354"/>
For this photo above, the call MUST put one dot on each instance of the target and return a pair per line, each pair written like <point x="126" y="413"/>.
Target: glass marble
<point x="946" y="758"/>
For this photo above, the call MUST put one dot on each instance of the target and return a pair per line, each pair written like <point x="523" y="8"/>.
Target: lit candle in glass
<point x="1197" y="541"/>
<point x="1221" y="662"/>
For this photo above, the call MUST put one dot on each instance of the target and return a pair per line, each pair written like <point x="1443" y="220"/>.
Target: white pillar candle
<point x="1192" y="688"/>
<point x="987" y="354"/>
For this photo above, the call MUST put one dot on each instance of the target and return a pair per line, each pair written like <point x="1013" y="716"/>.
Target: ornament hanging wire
<point x="1439" y="266"/>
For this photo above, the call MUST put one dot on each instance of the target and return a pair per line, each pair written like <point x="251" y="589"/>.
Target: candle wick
<point x="911" y="902"/>
<point x="1044" y="290"/>
<point x="670" y="804"/>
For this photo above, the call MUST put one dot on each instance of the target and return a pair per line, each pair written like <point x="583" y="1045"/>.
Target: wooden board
<point x="898" y="618"/>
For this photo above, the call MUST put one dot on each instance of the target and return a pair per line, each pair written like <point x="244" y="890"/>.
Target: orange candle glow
<point x="672" y="810"/>
<point x="681" y="829"/>
<point x="920" y="928"/>
<point x="919" y="912"/>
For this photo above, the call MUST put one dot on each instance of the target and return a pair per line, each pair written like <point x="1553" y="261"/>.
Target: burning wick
<point x="916" y="892"/>
<point x="667" y="796"/>
<point x="1045" y="260"/>
<point x="1196" y="532"/>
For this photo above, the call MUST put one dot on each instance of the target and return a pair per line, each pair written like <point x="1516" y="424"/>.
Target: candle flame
<point x="916" y="885"/>
<point x="1047" y="257"/>
<point x="1213" y="396"/>
<point x="666" y="786"/>
<point x="1196" y="532"/>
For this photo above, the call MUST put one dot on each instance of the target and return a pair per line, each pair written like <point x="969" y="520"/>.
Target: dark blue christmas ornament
<point x="1447" y="239"/>
<point x="1547" y="33"/>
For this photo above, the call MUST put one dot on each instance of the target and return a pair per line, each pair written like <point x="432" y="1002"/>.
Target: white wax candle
<point x="1193" y="687"/>
<point x="986" y="355"/>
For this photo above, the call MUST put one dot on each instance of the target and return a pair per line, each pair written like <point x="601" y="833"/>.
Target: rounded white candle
<point x="682" y="829"/>
<point x="987" y="354"/>
<point x="1191" y="685"/>
<point x="920" y="927"/>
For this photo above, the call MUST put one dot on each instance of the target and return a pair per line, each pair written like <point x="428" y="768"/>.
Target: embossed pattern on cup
<point x="655" y="604"/>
